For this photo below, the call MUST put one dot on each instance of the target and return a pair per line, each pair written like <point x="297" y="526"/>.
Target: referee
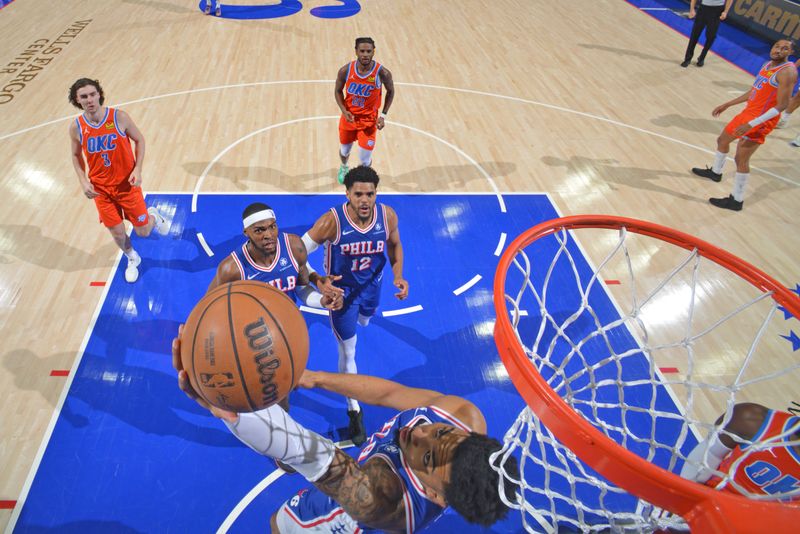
<point x="708" y="16"/>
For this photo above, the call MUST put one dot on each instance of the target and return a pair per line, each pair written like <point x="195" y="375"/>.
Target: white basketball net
<point x="602" y="354"/>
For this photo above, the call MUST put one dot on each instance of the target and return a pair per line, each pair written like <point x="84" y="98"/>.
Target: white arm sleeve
<point x="771" y="113"/>
<point x="310" y="244"/>
<point x="309" y="296"/>
<point x="704" y="459"/>
<point x="272" y="432"/>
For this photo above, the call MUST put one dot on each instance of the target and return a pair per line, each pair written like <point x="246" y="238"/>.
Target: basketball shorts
<point x="362" y="300"/>
<point x="123" y="200"/>
<point x="362" y="131"/>
<point x="757" y="134"/>
<point x="311" y="511"/>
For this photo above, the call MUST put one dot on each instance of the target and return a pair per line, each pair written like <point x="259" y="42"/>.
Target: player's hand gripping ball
<point x="244" y="346"/>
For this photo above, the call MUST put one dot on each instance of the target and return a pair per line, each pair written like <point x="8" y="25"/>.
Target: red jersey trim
<point x="359" y="230"/>
<point x="271" y="265"/>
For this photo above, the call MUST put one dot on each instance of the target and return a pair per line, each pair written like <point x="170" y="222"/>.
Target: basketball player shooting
<point x="358" y="95"/>
<point x="431" y="455"/>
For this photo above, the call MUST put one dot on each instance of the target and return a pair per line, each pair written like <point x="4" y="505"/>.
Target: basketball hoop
<point x="605" y="433"/>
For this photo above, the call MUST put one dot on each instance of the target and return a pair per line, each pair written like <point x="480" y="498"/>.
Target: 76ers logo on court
<point x="342" y="9"/>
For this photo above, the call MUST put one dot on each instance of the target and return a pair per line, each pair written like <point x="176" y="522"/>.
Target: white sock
<point x="786" y="116"/>
<point x="365" y="156"/>
<point x="363" y="320"/>
<point x="131" y="254"/>
<point x="719" y="162"/>
<point x="272" y="432"/>
<point x="704" y="459"/>
<point x="739" y="184"/>
<point x="347" y="364"/>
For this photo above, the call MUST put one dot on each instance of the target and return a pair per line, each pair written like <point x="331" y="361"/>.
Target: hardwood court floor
<point x="582" y="99"/>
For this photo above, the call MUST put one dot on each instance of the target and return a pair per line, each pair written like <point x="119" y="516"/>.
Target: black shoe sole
<point x="726" y="203"/>
<point x="707" y="173"/>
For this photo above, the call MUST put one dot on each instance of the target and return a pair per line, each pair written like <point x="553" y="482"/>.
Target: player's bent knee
<point x="344" y="150"/>
<point x="143" y="231"/>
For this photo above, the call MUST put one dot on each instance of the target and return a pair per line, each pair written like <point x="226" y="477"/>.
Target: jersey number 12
<point x="361" y="264"/>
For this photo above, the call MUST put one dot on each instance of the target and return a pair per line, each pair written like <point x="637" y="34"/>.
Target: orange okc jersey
<point x="769" y="471"/>
<point x="107" y="150"/>
<point x="765" y="88"/>
<point x="363" y="93"/>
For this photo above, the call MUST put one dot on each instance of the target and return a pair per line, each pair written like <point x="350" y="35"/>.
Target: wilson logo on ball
<point x="260" y="340"/>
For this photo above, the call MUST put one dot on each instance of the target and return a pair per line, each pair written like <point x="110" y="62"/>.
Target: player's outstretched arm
<point x="325" y="229"/>
<point x="787" y="78"/>
<point x="706" y="457"/>
<point x="394" y="249"/>
<point x="382" y="392"/>
<point x="331" y="300"/>
<point x="738" y="100"/>
<point x="370" y="493"/>
<point x="369" y="389"/>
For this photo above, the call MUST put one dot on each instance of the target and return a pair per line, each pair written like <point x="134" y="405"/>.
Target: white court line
<point x="402" y="311"/>
<point x="204" y="244"/>
<point x="26" y="487"/>
<point x="245" y="502"/>
<point x="500" y="244"/>
<point x="475" y="280"/>
<point x="168" y="95"/>
<point x="339" y="194"/>
<point x="420" y="85"/>
<point x="655" y="9"/>
<point x="315" y="311"/>
<point x="678" y="404"/>
<point x="465" y="156"/>
<point x="203" y="175"/>
<point x="224" y="151"/>
<point x="256" y="491"/>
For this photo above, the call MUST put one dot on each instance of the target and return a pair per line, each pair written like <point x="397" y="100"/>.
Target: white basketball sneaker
<point x="132" y="270"/>
<point x="795" y="141"/>
<point x="162" y="226"/>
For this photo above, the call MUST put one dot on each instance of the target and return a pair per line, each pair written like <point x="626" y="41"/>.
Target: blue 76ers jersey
<point x="358" y="255"/>
<point x="281" y="274"/>
<point x="313" y="512"/>
<point x="420" y="510"/>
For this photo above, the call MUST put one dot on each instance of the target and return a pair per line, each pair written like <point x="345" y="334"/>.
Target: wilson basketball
<point x="244" y="346"/>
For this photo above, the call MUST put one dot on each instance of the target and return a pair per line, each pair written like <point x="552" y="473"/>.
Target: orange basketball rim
<point x="704" y="509"/>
